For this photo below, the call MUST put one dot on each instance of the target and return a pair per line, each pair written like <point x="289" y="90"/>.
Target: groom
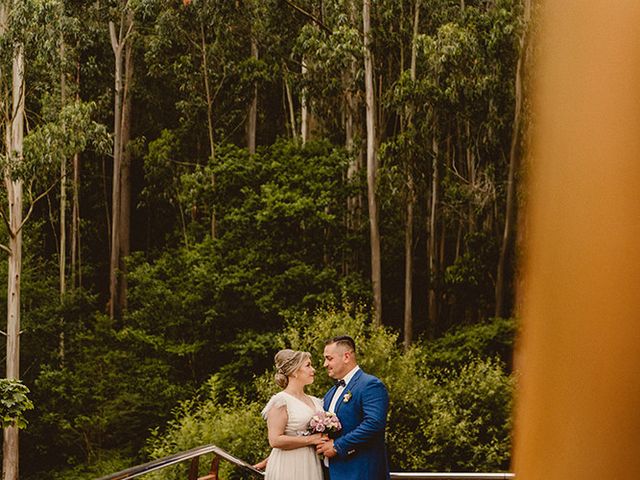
<point x="360" y="401"/>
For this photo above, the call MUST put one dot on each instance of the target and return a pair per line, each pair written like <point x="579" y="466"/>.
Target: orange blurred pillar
<point x="578" y="404"/>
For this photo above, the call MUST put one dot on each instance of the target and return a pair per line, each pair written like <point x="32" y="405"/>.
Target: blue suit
<point x="362" y="410"/>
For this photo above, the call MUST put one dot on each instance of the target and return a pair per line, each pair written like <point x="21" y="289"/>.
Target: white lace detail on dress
<point x="278" y="400"/>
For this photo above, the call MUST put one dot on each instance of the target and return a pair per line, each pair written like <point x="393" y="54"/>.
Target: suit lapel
<point x="349" y="388"/>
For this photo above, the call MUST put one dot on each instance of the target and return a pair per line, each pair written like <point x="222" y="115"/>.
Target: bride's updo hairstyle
<point x="287" y="362"/>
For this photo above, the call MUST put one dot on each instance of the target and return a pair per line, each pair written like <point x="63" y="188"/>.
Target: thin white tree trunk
<point x="76" y="264"/>
<point x="207" y="90"/>
<point x="292" y="113"/>
<point x="252" y="120"/>
<point x="304" y="107"/>
<point x="352" y="132"/>
<point x="125" y="178"/>
<point x="372" y="167"/>
<point x="14" y="195"/>
<point x="433" y="242"/>
<point x="118" y="50"/>
<point x="411" y="200"/>
<point x="63" y="189"/>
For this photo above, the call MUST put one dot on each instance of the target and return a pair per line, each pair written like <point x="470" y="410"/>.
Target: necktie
<point x="341" y="383"/>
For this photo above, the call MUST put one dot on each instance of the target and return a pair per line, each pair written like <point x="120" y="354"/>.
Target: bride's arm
<point x="276" y="423"/>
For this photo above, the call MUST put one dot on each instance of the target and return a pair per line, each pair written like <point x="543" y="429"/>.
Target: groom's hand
<point x="327" y="449"/>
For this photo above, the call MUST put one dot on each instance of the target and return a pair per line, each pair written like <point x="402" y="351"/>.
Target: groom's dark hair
<point x="343" y="341"/>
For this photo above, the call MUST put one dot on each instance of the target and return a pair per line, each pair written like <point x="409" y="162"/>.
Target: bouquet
<point x="324" y="422"/>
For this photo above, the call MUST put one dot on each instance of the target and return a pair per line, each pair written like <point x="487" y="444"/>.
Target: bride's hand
<point x="261" y="465"/>
<point x="317" y="439"/>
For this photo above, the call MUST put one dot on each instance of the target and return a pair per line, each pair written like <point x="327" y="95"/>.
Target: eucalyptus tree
<point x="372" y="164"/>
<point x="121" y="30"/>
<point x="515" y="152"/>
<point x="30" y="164"/>
<point x="13" y="218"/>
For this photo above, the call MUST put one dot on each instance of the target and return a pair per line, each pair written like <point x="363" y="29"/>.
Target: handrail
<point x="192" y="455"/>
<point x="219" y="453"/>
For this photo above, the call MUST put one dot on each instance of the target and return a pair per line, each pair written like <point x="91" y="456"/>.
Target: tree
<point x="372" y="165"/>
<point x="121" y="46"/>
<point x="514" y="163"/>
<point x="14" y="221"/>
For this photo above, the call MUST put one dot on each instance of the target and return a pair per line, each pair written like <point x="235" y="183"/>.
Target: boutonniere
<point x="347" y="396"/>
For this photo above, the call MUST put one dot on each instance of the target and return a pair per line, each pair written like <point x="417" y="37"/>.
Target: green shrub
<point x="235" y="425"/>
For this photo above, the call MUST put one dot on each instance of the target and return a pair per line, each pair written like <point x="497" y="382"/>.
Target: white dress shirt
<point x="347" y="378"/>
<point x="338" y="394"/>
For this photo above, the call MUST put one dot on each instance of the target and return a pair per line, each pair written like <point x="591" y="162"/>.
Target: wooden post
<point x="213" y="470"/>
<point x="193" y="468"/>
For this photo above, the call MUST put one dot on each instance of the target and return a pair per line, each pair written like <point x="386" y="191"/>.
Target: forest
<point x="190" y="185"/>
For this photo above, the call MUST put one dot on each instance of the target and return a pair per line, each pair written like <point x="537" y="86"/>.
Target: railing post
<point x="193" y="469"/>
<point x="213" y="471"/>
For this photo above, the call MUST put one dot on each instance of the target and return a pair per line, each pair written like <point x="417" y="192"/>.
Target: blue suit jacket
<point x="362" y="410"/>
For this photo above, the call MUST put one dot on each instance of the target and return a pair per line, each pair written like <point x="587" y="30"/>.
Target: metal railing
<point x="193" y="455"/>
<point x="219" y="454"/>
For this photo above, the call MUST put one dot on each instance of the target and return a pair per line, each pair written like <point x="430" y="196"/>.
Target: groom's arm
<point x="375" y="403"/>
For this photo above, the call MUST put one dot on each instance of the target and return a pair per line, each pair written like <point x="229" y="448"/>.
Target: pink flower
<point x="324" y="422"/>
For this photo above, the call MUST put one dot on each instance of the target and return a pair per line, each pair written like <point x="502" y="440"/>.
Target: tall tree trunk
<point x="15" y="134"/>
<point x="118" y="43"/>
<point x="472" y="173"/>
<point x="207" y="90"/>
<point x="408" y="264"/>
<point x="209" y="97"/>
<point x="353" y="131"/>
<point x="411" y="200"/>
<point x="291" y="108"/>
<point x="125" y="178"/>
<point x="252" y="118"/>
<point x="63" y="186"/>
<point x="304" y="107"/>
<point x="63" y="204"/>
<point x="76" y="264"/>
<point x="372" y="166"/>
<point x="514" y="162"/>
<point x="433" y="237"/>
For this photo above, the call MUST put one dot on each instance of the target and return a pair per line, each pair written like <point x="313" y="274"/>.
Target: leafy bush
<point x="235" y="425"/>
<point x="492" y="338"/>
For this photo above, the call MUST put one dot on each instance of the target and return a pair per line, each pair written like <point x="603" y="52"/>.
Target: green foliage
<point x="235" y="425"/>
<point x="14" y="403"/>
<point x="101" y="396"/>
<point x="109" y="462"/>
<point x="494" y="338"/>
<point x="461" y="422"/>
<point x="70" y="131"/>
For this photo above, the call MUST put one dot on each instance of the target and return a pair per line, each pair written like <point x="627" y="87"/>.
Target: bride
<point x="293" y="455"/>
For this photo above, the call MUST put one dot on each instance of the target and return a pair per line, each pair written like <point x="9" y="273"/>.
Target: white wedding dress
<point x="300" y="463"/>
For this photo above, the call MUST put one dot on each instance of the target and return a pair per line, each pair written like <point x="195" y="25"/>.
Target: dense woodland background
<point x="206" y="181"/>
